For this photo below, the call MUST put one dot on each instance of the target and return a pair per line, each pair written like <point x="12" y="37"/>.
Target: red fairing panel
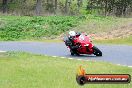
<point x="85" y="41"/>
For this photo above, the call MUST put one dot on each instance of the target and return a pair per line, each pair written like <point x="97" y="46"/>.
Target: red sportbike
<point x="85" y="46"/>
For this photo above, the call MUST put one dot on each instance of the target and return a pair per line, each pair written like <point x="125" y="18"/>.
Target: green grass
<point x="24" y="70"/>
<point x="43" y="40"/>
<point x="24" y="28"/>
<point x="120" y="41"/>
<point x="19" y="28"/>
<point x="117" y="41"/>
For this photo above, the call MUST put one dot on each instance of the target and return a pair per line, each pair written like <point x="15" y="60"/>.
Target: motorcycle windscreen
<point x="83" y="39"/>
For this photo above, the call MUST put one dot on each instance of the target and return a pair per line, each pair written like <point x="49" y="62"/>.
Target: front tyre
<point x="96" y="51"/>
<point x="72" y="53"/>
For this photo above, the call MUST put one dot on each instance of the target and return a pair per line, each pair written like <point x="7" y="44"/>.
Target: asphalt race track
<point x="117" y="54"/>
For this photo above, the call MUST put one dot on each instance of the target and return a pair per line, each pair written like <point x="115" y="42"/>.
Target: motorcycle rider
<point x="70" y="42"/>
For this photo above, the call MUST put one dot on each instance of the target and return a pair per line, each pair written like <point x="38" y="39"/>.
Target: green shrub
<point x="18" y="28"/>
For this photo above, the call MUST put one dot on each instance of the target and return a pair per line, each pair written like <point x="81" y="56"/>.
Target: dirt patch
<point x="121" y="32"/>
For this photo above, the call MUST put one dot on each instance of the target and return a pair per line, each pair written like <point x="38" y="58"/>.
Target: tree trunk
<point x="79" y="4"/>
<point x="38" y="7"/>
<point x="106" y="7"/>
<point x="4" y="6"/>
<point x="67" y="6"/>
<point x="55" y="4"/>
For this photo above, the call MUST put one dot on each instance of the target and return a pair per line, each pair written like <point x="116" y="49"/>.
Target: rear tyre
<point x="96" y="52"/>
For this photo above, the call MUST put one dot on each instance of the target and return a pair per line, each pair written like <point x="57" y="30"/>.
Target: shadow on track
<point x="85" y="56"/>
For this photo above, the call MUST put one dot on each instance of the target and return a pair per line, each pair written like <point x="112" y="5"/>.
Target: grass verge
<point x="99" y="24"/>
<point x="117" y="41"/>
<point x="13" y="28"/>
<point x="120" y="41"/>
<point x="24" y="70"/>
<point x="19" y="28"/>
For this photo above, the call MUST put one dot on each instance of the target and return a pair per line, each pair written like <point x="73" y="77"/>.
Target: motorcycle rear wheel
<point x="96" y="52"/>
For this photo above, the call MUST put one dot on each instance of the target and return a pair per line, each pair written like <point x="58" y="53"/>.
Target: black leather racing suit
<point x="70" y="42"/>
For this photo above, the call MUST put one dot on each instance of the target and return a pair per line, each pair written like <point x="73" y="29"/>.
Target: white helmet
<point x="72" y="33"/>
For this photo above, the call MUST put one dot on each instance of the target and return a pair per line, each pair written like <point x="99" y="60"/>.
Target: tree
<point x="38" y="7"/>
<point x="56" y="4"/>
<point x="79" y="4"/>
<point x="67" y="6"/>
<point x="113" y="7"/>
<point x="5" y="6"/>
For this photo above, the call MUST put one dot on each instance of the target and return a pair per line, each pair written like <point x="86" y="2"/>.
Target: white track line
<point x="78" y="59"/>
<point x="2" y="51"/>
<point x="118" y="64"/>
<point x="130" y="66"/>
<point x="62" y="57"/>
<point x="87" y="60"/>
<point x="70" y="58"/>
<point x="54" y="56"/>
<point x="124" y="65"/>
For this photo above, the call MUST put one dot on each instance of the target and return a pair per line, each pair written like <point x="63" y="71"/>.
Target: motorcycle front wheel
<point x="72" y="53"/>
<point x="96" y="51"/>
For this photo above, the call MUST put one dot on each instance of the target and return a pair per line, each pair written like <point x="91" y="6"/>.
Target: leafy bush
<point x="17" y="28"/>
